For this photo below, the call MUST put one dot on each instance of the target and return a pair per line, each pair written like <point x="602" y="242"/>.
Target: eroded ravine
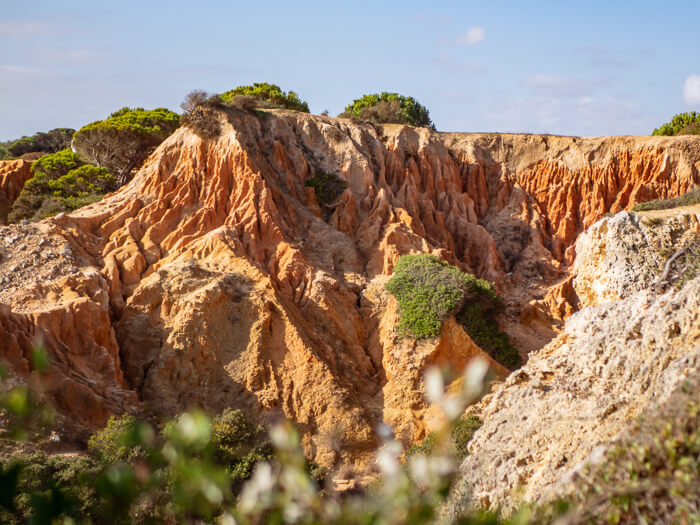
<point x="226" y="283"/>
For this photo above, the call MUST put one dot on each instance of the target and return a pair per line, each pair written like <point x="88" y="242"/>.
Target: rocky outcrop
<point x="56" y="301"/>
<point x="13" y="175"/>
<point x="219" y="278"/>
<point x="627" y="350"/>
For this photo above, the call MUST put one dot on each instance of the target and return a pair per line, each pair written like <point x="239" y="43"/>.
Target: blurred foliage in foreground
<point x="198" y="470"/>
<point x="195" y="469"/>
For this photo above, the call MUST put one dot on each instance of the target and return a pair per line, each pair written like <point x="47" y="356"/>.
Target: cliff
<point x="633" y="344"/>
<point x="13" y="175"/>
<point x="218" y="278"/>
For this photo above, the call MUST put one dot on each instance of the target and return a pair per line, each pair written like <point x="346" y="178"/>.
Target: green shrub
<point x="56" y="165"/>
<point x="49" y="486"/>
<point x="327" y="187"/>
<point x="42" y="142"/>
<point x="122" y="141"/>
<point x="61" y="182"/>
<point x="462" y="433"/>
<point x="428" y="291"/>
<point x="267" y="95"/>
<point x="680" y="124"/>
<point x="478" y="321"/>
<point x="111" y="444"/>
<point x="389" y="108"/>
<point x="687" y="199"/>
<point x="238" y="445"/>
<point x="4" y="154"/>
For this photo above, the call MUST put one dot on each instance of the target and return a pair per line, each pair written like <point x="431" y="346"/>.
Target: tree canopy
<point x="268" y="95"/>
<point x="681" y="124"/>
<point x="122" y="141"/>
<point x="389" y="108"/>
<point x="41" y="142"/>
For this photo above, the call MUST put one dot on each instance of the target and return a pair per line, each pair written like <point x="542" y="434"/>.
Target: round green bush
<point x="389" y="108"/>
<point x="267" y="95"/>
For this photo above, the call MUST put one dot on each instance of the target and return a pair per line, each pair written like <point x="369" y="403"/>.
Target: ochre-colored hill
<point x="216" y="278"/>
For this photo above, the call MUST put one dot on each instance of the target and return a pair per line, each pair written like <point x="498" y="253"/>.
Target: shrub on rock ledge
<point x="429" y="290"/>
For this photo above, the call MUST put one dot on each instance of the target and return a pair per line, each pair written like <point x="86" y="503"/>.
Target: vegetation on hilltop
<point x="4" y="154"/>
<point x="429" y="290"/>
<point x="389" y="108"/>
<point x="41" y="142"/>
<point x="199" y="113"/>
<point x="61" y="182"/>
<point x="267" y="95"/>
<point x="681" y="124"/>
<point x="122" y="141"/>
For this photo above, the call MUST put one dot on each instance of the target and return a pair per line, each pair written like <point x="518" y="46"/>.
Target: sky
<point x="574" y="68"/>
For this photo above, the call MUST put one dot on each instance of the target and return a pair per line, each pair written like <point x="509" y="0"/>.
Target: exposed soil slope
<point x="219" y="279"/>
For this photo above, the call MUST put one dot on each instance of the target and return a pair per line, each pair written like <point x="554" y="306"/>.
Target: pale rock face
<point x="625" y="352"/>
<point x="626" y="253"/>
<point x="223" y="281"/>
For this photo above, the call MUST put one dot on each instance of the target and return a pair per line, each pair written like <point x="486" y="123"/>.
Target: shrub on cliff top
<point x="681" y="124"/>
<point x="389" y="108"/>
<point x="267" y="95"/>
<point x="200" y="113"/>
<point x="122" y="141"/>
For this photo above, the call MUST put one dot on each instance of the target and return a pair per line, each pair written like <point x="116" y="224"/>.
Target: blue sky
<point x="575" y="68"/>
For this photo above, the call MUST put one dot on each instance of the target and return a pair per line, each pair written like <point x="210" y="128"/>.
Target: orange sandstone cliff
<point x="216" y="278"/>
<point x="13" y="175"/>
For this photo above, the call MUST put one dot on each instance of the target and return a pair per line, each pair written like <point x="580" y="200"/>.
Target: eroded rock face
<point x="626" y="253"/>
<point x="623" y="353"/>
<point x="224" y="281"/>
<point x="57" y="300"/>
<point x="13" y="175"/>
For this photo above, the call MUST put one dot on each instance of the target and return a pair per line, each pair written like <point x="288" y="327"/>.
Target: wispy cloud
<point x="73" y="55"/>
<point x="474" y="35"/>
<point x="19" y="29"/>
<point x="449" y="64"/>
<point x="601" y="57"/>
<point x="443" y="19"/>
<point x="19" y="70"/>
<point x="585" y="115"/>
<point x="691" y="90"/>
<point x="558" y="86"/>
